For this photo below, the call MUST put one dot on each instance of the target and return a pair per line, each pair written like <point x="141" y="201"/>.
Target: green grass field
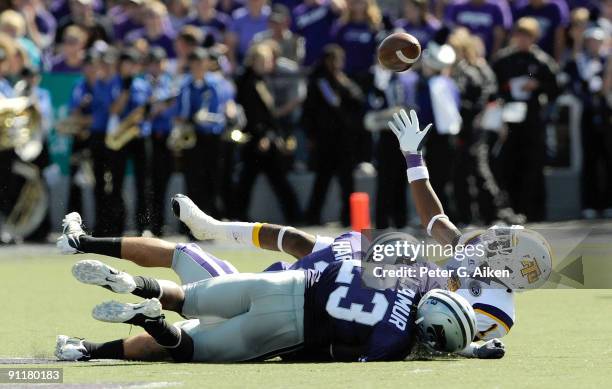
<point x="562" y="338"/>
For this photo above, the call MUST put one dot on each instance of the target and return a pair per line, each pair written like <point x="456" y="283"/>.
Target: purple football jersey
<point x="215" y="27"/>
<point x="339" y="311"/>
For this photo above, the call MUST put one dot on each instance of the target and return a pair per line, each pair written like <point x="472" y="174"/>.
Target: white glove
<point x="407" y="131"/>
<point x="493" y="349"/>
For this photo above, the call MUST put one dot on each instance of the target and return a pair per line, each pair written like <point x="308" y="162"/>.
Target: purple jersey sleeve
<point x="345" y="246"/>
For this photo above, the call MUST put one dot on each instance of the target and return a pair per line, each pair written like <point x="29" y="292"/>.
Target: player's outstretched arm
<point x="426" y="202"/>
<point x="273" y="237"/>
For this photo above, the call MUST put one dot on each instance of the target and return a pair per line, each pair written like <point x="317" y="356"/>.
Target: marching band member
<point x="134" y="94"/>
<point x="160" y="85"/>
<point x="81" y="107"/>
<point x="105" y="90"/>
<point x="264" y="151"/>
<point x="199" y="106"/>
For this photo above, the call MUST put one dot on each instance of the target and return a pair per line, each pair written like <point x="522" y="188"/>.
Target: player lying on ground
<point x="193" y="264"/>
<point x="239" y="317"/>
<point x="522" y="252"/>
<point x="492" y="302"/>
<point x="245" y="232"/>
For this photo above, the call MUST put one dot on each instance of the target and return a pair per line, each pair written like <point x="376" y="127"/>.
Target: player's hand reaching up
<point x="407" y="131"/>
<point x="493" y="349"/>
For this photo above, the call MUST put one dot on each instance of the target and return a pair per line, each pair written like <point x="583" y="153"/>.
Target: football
<point x="399" y="51"/>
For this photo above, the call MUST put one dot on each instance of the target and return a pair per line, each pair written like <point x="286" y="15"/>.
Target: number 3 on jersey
<point x="355" y="312"/>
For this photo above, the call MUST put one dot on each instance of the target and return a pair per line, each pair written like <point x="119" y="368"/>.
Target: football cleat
<point x="90" y="271"/>
<point x="68" y="242"/>
<point x="202" y="226"/>
<point x="70" y="349"/>
<point x="117" y="312"/>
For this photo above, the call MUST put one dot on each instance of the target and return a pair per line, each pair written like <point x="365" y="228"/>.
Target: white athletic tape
<point x="405" y="59"/>
<point x="281" y="234"/>
<point x="433" y="220"/>
<point x="417" y="173"/>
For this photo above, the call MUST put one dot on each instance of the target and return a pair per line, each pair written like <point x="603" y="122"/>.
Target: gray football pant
<point x="259" y="315"/>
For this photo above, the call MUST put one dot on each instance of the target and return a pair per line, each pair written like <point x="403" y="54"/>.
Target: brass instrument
<point x="20" y="127"/>
<point x="21" y="131"/>
<point x="32" y="203"/>
<point x="182" y="137"/>
<point x="76" y="124"/>
<point x="128" y="129"/>
<point x="72" y="125"/>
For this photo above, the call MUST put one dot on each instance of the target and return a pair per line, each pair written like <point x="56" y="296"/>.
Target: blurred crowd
<point x="226" y="90"/>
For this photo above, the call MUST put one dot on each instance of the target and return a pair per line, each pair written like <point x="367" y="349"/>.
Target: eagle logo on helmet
<point x="531" y="270"/>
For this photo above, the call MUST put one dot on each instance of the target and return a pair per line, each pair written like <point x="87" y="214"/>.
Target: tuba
<point x="20" y="127"/>
<point x="21" y="131"/>
<point x="32" y="203"/>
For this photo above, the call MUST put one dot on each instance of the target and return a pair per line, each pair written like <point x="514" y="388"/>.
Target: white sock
<point x="206" y="227"/>
<point x="240" y="232"/>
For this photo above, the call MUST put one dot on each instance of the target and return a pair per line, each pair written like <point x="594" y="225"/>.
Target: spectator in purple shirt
<point x="214" y="24"/>
<point x="187" y="40"/>
<point x="553" y="18"/>
<point x="488" y="19"/>
<point x="179" y="12"/>
<point x="155" y="31"/>
<point x="72" y="51"/>
<point x="246" y="22"/>
<point x="313" y="20"/>
<point x="418" y="22"/>
<point x="59" y="8"/>
<point x="40" y="23"/>
<point x="290" y="4"/>
<point x="357" y="33"/>
<point x="290" y="45"/>
<point x="593" y="6"/>
<point x="82" y="14"/>
<point x="229" y="6"/>
<point x="128" y="17"/>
